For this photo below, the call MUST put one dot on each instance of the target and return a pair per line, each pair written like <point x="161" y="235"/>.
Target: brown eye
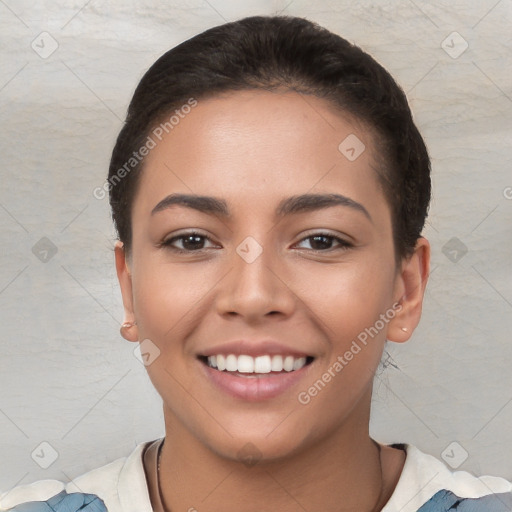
<point x="186" y="242"/>
<point x="324" y="242"/>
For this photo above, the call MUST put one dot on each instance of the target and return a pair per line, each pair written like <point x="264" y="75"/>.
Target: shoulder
<point x="118" y="484"/>
<point x="428" y="485"/>
<point x="38" y="491"/>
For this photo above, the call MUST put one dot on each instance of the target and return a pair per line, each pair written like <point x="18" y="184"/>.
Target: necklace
<point x="159" y="455"/>
<point x="160" y="498"/>
<point x="381" y="492"/>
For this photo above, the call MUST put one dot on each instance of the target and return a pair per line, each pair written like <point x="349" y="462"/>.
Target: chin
<point x="253" y="446"/>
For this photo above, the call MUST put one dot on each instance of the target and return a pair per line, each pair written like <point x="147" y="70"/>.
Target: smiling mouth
<point x="247" y="366"/>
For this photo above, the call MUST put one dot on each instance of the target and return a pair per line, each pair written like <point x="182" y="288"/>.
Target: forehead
<point x="259" y="145"/>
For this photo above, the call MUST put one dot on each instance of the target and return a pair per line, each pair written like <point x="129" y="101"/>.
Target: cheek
<point x="349" y="297"/>
<point x="353" y="306"/>
<point x="167" y="296"/>
<point x="168" y="301"/>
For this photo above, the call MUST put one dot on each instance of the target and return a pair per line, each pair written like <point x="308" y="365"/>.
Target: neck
<point x="343" y="472"/>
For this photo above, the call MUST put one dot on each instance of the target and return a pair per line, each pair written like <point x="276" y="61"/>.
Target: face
<point x="258" y="243"/>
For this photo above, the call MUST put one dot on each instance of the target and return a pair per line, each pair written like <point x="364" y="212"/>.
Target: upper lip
<point x="253" y="348"/>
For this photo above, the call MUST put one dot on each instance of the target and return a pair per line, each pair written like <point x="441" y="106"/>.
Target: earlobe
<point x="129" y="329"/>
<point x="410" y="289"/>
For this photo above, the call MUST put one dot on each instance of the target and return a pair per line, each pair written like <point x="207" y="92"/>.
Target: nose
<point x="255" y="290"/>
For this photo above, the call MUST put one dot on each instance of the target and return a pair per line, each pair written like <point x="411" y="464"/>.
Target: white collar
<point x="422" y="476"/>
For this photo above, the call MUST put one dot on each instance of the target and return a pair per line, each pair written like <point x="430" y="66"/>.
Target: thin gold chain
<point x="375" y="508"/>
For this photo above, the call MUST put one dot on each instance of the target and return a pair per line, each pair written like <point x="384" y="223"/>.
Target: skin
<point x="253" y="149"/>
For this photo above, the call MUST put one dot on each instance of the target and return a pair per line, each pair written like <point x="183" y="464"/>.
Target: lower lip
<point x="254" y="389"/>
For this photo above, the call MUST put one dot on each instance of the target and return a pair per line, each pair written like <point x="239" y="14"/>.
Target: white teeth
<point x="231" y="363"/>
<point x="261" y="364"/>
<point x="299" y="363"/>
<point x="245" y="364"/>
<point x="288" y="363"/>
<point x="277" y="364"/>
<point x="221" y="362"/>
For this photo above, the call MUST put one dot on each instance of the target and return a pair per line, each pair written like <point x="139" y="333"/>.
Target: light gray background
<point x="66" y="375"/>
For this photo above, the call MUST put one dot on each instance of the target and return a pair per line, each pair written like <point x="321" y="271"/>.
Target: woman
<point x="269" y="189"/>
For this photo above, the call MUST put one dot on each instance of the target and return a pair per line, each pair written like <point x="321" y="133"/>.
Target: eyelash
<point x="342" y="244"/>
<point x="167" y="243"/>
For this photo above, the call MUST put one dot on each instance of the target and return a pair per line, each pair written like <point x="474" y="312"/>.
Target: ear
<point x="410" y="286"/>
<point x="125" y="282"/>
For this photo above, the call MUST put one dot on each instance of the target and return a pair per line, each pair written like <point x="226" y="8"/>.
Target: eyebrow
<point x="310" y="202"/>
<point x="292" y="205"/>
<point x="205" y="204"/>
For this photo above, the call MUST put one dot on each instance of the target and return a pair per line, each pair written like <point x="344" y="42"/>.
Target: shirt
<point x="425" y="485"/>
